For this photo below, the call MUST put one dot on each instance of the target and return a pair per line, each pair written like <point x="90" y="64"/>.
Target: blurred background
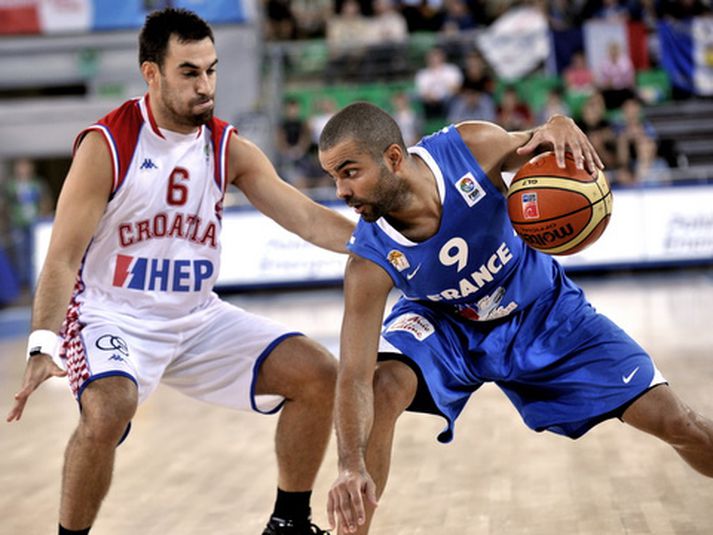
<point x="637" y="76"/>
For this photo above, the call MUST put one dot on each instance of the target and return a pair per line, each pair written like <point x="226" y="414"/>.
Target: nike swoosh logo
<point x="411" y="275"/>
<point x="628" y="378"/>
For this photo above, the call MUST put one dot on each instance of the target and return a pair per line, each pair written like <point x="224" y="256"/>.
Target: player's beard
<point x="186" y="118"/>
<point x="390" y="193"/>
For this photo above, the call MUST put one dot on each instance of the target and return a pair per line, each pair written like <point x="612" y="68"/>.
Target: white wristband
<point x="42" y="342"/>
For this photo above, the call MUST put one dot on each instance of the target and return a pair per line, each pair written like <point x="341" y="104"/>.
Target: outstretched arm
<point x="366" y="288"/>
<point x="253" y="173"/>
<point x="81" y="204"/>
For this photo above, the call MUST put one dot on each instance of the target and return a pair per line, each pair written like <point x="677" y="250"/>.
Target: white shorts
<point x="213" y="354"/>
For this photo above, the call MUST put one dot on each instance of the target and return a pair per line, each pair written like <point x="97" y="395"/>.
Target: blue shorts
<point x="564" y="366"/>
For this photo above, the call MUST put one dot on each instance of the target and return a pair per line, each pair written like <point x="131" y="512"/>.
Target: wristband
<point x="42" y="342"/>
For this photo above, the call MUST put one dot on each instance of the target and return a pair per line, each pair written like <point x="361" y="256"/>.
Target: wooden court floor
<point x="191" y="468"/>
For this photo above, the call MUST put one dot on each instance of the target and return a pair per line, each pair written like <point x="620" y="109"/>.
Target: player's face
<point x="368" y="186"/>
<point x="186" y="83"/>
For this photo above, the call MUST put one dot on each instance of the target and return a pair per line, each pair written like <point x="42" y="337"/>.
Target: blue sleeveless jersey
<point x="563" y="365"/>
<point x="475" y="264"/>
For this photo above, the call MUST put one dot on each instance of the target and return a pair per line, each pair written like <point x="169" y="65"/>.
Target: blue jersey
<point x="564" y="366"/>
<point x="475" y="264"/>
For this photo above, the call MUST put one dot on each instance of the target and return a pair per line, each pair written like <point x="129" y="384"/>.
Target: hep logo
<point x="161" y="274"/>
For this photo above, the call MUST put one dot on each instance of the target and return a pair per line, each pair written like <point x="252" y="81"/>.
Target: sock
<point x="292" y="505"/>
<point x="65" y="531"/>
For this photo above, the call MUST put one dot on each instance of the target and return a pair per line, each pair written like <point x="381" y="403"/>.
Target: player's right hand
<point x="346" y="500"/>
<point x="39" y="368"/>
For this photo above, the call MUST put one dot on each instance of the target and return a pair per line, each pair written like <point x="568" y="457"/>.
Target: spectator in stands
<point x="26" y="198"/>
<point x="476" y="73"/>
<point x="407" y="118"/>
<point x="637" y="148"/>
<point x="616" y="77"/>
<point x="599" y="130"/>
<point x="348" y="35"/>
<point x="423" y="15"/>
<point x="471" y="104"/>
<point x="577" y="76"/>
<point x="457" y="17"/>
<point x="388" y="25"/>
<point x="683" y="9"/>
<point x="325" y="107"/>
<point x="512" y="113"/>
<point x="280" y="22"/>
<point x="9" y="289"/>
<point x="613" y="10"/>
<point x="554" y="105"/>
<point x="311" y="17"/>
<point x="386" y="56"/>
<point x="293" y="143"/>
<point x="561" y="14"/>
<point x="437" y="83"/>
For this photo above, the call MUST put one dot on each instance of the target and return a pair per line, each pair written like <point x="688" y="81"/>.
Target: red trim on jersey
<point x="124" y="126"/>
<point x="152" y="119"/>
<point x="218" y="130"/>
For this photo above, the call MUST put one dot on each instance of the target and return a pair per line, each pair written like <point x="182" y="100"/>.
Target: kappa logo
<point x="148" y="164"/>
<point x="470" y="189"/>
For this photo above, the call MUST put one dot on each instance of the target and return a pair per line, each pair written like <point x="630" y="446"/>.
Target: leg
<point x="395" y="386"/>
<point x="107" y="408"/>
<point x="305" y="374"/>
<point x="661" y="413"/>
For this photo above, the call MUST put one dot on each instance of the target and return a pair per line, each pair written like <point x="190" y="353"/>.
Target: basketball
<point x="558" y="211"/>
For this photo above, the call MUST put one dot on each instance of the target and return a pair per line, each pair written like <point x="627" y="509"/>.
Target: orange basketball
<point x="558" y="211"/>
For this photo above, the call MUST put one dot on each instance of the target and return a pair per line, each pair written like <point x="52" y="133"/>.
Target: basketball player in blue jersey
<point x="135" y="253"/>
<point x="477" y="304"/>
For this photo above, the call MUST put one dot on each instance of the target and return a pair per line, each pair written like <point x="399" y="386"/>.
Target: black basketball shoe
<point x="278" y="526"/>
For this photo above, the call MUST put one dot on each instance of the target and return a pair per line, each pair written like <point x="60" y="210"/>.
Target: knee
<point x="318" y="374"/>
<point x="105" y="416"/>
<point x="394" y="387"/>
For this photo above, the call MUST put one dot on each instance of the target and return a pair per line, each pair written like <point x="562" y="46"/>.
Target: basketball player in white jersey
<point x="135" y="253"/>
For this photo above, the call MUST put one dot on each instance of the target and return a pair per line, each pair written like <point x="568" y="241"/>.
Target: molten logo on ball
<point x="544" y="239"/>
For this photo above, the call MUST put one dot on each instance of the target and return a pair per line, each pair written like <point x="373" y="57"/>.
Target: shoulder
<point x="490" y="144"/>
<point x="483" y="138"/>
<point x="126" y="117"/>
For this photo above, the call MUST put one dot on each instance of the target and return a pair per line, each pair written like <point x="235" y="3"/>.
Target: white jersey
<point x="156" y="251"/>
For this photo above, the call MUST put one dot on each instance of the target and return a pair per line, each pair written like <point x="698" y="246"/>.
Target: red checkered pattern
<point x="72" y="349"/>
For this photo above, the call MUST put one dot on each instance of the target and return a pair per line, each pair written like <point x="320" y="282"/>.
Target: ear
<point x="150" y="72"/>
<point x="394" y="156"/>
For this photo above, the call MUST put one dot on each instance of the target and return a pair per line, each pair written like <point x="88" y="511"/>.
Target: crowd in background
<point x="455" y="82"/>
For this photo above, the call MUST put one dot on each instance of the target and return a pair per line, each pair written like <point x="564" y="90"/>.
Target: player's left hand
<point x="347" y="500"/>
<point x="564" y="136"/>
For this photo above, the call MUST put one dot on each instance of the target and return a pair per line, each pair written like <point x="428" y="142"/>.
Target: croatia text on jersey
<point x="188" y="227"/>
<point x="161" y="274"/>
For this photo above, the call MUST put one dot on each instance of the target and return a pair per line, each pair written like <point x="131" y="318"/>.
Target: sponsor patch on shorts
<point x="414" y="324"/>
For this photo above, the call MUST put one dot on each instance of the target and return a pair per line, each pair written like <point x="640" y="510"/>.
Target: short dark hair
<point x="372" y="128"/>
<point x="161" y="25"/>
